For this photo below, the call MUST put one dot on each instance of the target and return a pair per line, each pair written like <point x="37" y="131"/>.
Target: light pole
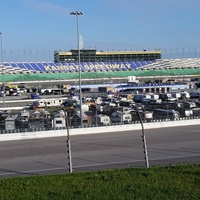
<point x="3" y="86"/>
<point x="77" y="14"/>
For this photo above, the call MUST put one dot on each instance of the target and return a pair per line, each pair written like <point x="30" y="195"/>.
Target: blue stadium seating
<point x="35" y="66"/>
<point x="51" y="67"/>
<point x="45" y="67"/>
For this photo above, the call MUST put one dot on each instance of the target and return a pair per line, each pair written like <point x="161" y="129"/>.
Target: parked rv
<point x="101" y="120"/>
<point x="120" y="117"/>
<point x="42" y="103"/>
<point x="58" y="120"/>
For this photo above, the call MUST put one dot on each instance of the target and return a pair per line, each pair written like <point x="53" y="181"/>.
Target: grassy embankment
<point x="169" y="182"/>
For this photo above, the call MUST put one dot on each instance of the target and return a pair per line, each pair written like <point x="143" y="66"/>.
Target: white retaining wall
<point x="93" y="130"/>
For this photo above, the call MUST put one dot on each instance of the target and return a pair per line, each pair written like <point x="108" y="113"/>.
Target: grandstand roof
<point x="109" y="52"/>
<point x="92" y="55"/>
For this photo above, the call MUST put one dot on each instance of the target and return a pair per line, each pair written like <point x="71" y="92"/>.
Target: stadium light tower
<point x="2" y="68"/>
<point x="77" y="14"/>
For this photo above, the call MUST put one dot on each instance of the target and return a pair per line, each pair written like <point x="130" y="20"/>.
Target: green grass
<point x="169" y="182"/>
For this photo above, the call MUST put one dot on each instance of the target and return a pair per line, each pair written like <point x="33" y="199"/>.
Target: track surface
<point x="100" y="151"/>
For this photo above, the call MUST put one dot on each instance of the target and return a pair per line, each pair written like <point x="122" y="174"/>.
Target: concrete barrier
<point x="93" y="130"/>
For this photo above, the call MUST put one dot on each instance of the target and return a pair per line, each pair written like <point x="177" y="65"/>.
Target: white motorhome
<point x="42" y="103"/>
<point x="101" y="120"/>
<point x="58" y="120"/>
<point x="53" y="102"/>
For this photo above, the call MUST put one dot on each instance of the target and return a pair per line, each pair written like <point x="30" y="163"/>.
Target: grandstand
<point x="49" y="71"/>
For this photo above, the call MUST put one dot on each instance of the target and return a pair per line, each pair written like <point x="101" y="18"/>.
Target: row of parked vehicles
<point x="122" y="108"/>
<point x="109" y="109"/>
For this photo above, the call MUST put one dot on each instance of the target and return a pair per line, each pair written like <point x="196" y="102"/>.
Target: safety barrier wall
<point x="95" y="130"/>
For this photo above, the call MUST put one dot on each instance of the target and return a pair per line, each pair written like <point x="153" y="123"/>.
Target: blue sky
<point x="33" y="29"/>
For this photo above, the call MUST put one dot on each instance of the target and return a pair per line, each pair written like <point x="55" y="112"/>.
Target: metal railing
<point x="28" y="129"/>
